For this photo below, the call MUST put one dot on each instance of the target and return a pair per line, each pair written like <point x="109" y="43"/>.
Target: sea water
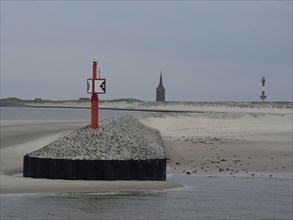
<point x="31" y="113"/>
<point x="202" y="197"/>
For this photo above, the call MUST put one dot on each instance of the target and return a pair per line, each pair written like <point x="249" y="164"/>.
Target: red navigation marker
<point x="95" y="86"/>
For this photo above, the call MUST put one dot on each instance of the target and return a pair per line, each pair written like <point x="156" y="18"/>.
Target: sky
<point x="206" y="50"/>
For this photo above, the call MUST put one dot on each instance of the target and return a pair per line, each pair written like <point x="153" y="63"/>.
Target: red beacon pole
<point x="94" y="100"/>
<point x="95" y="86"/>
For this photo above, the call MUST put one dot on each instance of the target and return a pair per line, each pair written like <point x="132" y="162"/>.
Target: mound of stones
<point x="122" y="148"/>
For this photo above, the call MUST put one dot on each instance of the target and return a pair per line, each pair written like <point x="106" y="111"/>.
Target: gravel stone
<point x="119" y="138"/>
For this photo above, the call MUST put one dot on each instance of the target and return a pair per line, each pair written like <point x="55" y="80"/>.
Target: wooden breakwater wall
<point x="149" y="169"/>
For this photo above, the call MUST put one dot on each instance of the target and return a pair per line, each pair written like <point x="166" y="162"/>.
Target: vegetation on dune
<point x="275" y="104"/>
<point x="128" y="100"/>
<point x="13" y="100"/>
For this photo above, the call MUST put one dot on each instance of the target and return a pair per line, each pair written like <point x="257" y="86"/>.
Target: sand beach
<point x="236" y="144"/>
<point x="217" y="143"/>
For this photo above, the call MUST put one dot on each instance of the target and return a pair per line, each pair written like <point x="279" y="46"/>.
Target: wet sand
<point x="15" y="132"/>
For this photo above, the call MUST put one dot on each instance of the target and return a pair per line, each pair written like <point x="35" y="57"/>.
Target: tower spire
<point x="161" y="79"/>
<point x="161" y="90"/>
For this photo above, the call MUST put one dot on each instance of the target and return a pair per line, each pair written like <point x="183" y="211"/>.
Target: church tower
<point x="160" y="91"/>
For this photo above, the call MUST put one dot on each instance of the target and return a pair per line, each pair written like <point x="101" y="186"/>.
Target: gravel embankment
<point x="120" y="138"/>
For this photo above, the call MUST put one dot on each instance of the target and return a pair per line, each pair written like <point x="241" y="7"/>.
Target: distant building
<point x="38" y="100"/>
<point x="84" y="99"/>
<point x="263" y="89"/>
<point x="160" y="96"/>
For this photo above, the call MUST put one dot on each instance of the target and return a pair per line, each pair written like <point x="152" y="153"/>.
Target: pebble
<point x="119" y="138"/>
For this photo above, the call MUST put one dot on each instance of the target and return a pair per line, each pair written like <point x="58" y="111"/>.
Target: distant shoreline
<point x="103" y="108"/>
<point x="164" y="107"/>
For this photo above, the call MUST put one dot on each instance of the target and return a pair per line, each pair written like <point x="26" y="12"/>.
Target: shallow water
<point x="29" y="113"/>
<point x="203" y="197"/>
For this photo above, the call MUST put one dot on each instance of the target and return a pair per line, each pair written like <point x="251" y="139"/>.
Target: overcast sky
<point x="207" y="51"/>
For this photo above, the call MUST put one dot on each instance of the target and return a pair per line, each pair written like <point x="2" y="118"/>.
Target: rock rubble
<point x="120" y="138"/>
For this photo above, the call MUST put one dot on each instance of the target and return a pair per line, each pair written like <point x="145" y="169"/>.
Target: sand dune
<point x="248" y="107"/>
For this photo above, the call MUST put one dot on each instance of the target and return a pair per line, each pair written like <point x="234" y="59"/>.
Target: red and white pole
<point x="94" y="100"/>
